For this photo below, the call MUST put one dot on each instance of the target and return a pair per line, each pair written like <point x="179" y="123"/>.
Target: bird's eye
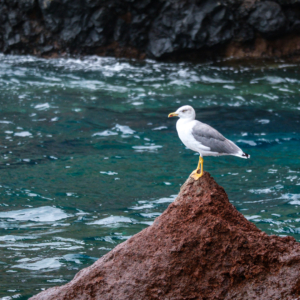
<point x="184" y="110"/>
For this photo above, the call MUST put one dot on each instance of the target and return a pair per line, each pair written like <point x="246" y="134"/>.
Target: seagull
<point x="202" y="138"/>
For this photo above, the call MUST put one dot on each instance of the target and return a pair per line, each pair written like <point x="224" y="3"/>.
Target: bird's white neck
<point x="182" y="121"/>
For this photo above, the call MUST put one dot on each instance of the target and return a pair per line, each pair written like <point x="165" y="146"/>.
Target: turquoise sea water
<point x="89" y="157"/>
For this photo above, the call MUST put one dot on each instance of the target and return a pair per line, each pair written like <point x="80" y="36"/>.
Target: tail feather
<point x="245" y="155"/>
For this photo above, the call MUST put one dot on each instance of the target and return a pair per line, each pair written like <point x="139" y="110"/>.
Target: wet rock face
<point x="149" y="28"/>
<point x="183" y="25"/>
<point x="268" y="18"/>
<point x="201" y="247"/>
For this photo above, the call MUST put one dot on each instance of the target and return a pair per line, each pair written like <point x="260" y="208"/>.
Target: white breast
<point x="184" y="129"/>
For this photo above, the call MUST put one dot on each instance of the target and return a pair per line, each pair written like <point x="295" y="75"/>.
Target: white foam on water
<point x="123" y="237"/>
<point x="147" y="222"/>
<point x="142" y="206"/>
<point x="263" y="121"/>
<point x="251" y="143"/>
<point x="276" y="215"/>
<point x="105" y="133"/>
<point x="295" y="198"/>
<point x="32" y="194"/>
<point x="180" y="82"/>
<point x="207" y="79"/>
<point x="166" y="199"/>
<point x="73" y="258"/>
<point x="109" y="173"/>
<point x="292" y="178"/>
<point x="270" y="79"/>
<point x="261" y="191"/>
<point x="286" y="90"/>
<point x="107" y="239"/>
<point x="229" y="87"/>
<point x="28" y="246"/>
<point x="71" y="248"/>
<point x="42" y="106"/>
<point x="117" y="67"/>
<point x="46" y="263"/>
<point x="23" y="133"/>
<point x="13" y="238"/>
<point x="81" y="212"/>
<point x="112" y="220"/>
<point x="160" y="128"/>
<point x="252" y="217"/>
<point x="146" y="148"/>
<point x="58" y="280"/>
<point x="291" y="80"/>
<point x="150" y="215"/>
<point x="268" y="96"/>
<point x="240" y="98"/>
<point x="16" y="296"/>
<point x="124" y="129"/>
<point x="69" y="240"/>
<point x="267" y="141"/>
<point x="39" y="214"/>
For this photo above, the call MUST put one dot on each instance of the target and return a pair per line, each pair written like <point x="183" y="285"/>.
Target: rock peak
<point x="201" y="247"/>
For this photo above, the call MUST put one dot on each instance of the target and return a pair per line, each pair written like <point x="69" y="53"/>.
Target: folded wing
<point x="210" y="137"/>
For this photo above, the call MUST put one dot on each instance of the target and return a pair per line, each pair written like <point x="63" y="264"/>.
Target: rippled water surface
<point x="89" y="157"/>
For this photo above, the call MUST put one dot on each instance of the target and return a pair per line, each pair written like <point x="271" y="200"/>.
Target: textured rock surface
<point x="151" y="28"/>
<point x="201" y="247"/>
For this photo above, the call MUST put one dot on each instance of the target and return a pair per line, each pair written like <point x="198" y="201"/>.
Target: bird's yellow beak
<point x="172" y="115"/>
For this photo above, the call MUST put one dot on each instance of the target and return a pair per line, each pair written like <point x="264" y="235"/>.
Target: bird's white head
<point x="184" y="112"/>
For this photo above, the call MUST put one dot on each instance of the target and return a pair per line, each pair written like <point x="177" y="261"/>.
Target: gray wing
<point x="213" y="139"/>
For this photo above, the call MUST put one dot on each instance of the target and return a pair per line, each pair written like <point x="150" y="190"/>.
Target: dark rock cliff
<point x="151" y="28"/>
<point x="201" y="247"/>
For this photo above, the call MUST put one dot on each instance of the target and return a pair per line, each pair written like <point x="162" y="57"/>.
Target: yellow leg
<point x="195" y="173"/>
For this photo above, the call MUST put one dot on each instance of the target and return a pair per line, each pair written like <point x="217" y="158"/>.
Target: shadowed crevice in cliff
<point x="201" y="247"/>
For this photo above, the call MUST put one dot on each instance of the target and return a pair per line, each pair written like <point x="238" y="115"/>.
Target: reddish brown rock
<point x="201" y="247"/>
<point x="287" y="47"/>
